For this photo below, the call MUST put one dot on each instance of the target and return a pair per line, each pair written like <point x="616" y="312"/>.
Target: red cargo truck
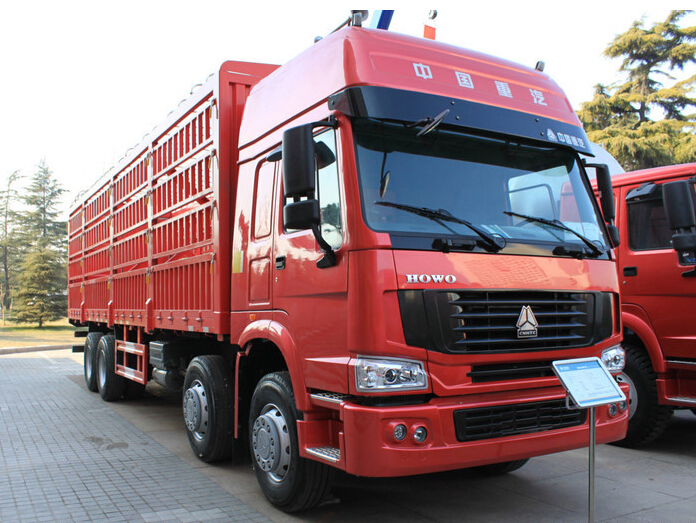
<point x="354" y="261"/>
<point x="658" y="295"/>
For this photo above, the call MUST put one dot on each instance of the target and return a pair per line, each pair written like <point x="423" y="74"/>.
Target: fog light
<point x="420" y="434"/>
<point x="623" y="405"/>
<point x="400" y="432"/>
<point x="613" y="409"/>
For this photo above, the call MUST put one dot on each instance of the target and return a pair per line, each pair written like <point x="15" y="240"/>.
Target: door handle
<point x="630" y="271"/>
<point x="280" y="263"/>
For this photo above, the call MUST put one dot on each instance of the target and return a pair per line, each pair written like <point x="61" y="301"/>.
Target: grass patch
<point x="27" y="335"/>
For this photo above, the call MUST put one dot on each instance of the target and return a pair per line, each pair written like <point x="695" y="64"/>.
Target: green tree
<point x="40" y="221"/>
<point x="8" y="241"/>
<point x="40" y="295"/>
<point x="643" y="122"/>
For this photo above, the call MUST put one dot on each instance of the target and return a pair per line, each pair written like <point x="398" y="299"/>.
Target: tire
<point x="647" y="418"/>
<point x="90" y="360"/>
<point x="110" y="384"/>
<point x="498" y="469"/>
<point x="288" y="481"/>
<point x="208" y="408"/>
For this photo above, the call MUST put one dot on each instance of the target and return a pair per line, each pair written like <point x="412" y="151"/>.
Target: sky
<point x="83" y="81"/>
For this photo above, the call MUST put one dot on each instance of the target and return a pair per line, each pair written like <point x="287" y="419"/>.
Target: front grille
<point x="508" y="420"/>
<point x="491" y="321"/>
<point x="510" y="371"/>
<point x="488" y="321"/>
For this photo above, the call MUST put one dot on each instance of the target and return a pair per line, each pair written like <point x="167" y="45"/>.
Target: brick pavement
<point x="66" y="456"/>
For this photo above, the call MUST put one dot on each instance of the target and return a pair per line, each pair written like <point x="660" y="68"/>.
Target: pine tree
<point x="8" y="242"/>
<point x="40" y="222"/>
<point x="40" y="296"/>
<point x="623" y="118"/>
<point x="41" y="291"/>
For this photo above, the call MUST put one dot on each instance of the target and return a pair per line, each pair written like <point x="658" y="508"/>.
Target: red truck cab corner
<point x="657" y="301"/>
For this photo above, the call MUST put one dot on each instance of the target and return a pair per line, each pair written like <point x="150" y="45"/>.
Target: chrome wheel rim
<point x="196" y="410"/>
<point x="271" y="443"/>
<point x="632" y="393"/>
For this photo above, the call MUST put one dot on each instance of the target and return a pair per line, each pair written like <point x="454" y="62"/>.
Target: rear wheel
<point x="290" y="482"/>
<point x="208" y="408"/>
<point x="647" y="419"/>
<point x="90" y="360"/>
<point x="110" y="384"/>
<point x="498" y="469"/>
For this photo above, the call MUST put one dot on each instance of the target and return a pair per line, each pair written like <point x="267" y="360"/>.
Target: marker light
<point x="389" y="374"/>
<point x="614" y="358"/>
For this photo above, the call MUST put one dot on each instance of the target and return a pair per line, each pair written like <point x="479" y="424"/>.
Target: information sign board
<point x="588" y="382"/>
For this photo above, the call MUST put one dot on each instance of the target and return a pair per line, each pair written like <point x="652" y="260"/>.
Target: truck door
<point x="311" y="301"/>
<point x="651" y="275"/>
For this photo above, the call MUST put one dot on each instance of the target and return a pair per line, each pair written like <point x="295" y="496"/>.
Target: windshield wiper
<point x="430" y="123"/>
<point x="596" y="251"/>
<point x="488" y="241"/>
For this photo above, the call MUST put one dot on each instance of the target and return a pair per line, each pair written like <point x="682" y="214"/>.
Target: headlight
<point x="386" y="374"/>
<point x="614" y="358"/>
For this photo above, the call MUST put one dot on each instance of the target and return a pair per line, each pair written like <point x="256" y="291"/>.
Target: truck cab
<point x="418" y="246"/>
<point x="658" y="296"/>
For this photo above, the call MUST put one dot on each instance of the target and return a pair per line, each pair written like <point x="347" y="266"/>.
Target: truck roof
<point x="654" y="174"/>
<point x="363" y="57"/>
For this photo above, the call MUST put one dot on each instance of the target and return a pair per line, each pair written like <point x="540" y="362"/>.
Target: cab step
<point x="330" y="454"/>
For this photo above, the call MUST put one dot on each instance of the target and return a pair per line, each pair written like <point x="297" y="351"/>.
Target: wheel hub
<point x="632" y="393"/>
<point x="196" y="409"/>
<point x="271" y="443"/>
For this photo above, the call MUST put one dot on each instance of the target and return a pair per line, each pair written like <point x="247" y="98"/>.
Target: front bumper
<point x="365" y="435"/>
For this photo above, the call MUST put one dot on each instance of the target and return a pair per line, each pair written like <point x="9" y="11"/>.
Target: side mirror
<point x="678" y="199"/>
<point x="299" y="164"/>
<point x="301" y="215"/>
<point x="302" y="157"/>
<point x="614" y="234"/>
<point x="606" y="200"/>
<point x="606" y="192"/>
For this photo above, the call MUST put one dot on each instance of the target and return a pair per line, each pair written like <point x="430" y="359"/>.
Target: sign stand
<point x="588" y="384"/>
<point x="591" y="479"/>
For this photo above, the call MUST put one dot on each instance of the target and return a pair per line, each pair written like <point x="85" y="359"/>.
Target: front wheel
<point x="208" y="405"/>
<point x="290" y="482"/>
<point x="647" y="419"/>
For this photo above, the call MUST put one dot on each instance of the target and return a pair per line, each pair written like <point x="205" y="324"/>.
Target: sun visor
<point x="384" y="103"/>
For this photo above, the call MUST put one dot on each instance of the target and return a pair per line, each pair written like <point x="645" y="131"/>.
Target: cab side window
<point x="328" y="192"/>
<point x="263" y="200"/>
<point x="647" y="223"/>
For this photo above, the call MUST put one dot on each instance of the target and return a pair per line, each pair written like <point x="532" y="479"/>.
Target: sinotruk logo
<point x="526" y="323"/>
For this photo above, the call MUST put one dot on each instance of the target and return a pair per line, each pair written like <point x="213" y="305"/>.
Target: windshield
<point x="450" y="184"/>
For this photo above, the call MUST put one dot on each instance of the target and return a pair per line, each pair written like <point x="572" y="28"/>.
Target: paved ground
<point x="67" y="456"/>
